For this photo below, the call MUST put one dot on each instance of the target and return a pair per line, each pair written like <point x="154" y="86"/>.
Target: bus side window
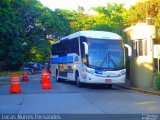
<point x="74" y="47"/>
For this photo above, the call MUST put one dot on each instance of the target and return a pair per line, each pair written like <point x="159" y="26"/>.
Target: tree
<point x="143" y="9"/>
<point x="11" y="27"/>
<point x="109" y="18"/>
<point x="29" y="21"/>
<point x="18" y="24"/>
<point x="112" y="17"/>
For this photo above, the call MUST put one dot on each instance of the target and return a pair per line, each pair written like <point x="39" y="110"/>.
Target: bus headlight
<point x="123" y="72"/>
<point x="90" y="71"/>
<point x="74" y="66"/>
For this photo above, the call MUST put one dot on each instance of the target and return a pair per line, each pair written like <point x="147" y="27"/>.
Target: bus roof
<point x="93" y="34"/>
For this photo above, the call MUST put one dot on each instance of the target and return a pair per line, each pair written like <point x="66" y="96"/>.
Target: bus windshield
<point x="105" y="54"/>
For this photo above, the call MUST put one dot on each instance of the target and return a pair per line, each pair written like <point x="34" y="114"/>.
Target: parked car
<point x="33" y="67"/>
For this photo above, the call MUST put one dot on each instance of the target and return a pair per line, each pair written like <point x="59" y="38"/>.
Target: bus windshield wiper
<point x="109" y="58"/>
<point x="105" y="58"/>
<point x="113" y="62"/>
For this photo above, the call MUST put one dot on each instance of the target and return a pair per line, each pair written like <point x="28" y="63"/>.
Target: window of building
<point x="139" y="48"/>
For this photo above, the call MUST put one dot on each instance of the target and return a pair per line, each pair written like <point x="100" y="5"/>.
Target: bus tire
<point x="79" y="84"/>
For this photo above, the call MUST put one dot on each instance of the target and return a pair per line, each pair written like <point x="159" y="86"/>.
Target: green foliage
<point x="8" y="73"/>
<point x="81" y="21"/>
<point x="142" y="10"/>
<point x="18" y="24"/>
<point x="64" y="18"/>
<point x="157" y="76"/>
<point x="157" y="80"/>
<point x="29" y="21"/>
<point x="11" y="26"/>
<point x="110" y="18"/>
<point x="40" y="52"/>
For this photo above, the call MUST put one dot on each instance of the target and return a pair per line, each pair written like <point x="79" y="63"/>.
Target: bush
<point x="157" y="80"/>
<point x="8" y="73"/>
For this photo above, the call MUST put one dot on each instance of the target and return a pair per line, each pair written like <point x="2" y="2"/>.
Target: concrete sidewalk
<point x="151" y="91"/>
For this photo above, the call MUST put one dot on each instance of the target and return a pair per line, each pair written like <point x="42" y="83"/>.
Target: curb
<point x="140" y="90"/>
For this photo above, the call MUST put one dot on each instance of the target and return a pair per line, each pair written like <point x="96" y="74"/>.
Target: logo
<point x="76" y="58"/>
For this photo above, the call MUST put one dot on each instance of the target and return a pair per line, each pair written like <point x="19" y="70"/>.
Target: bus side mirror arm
<point x="85" y="48"/>
<point x="129" y="49"/>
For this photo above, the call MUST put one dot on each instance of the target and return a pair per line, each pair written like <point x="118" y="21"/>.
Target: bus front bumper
<point x="105" y="80"/>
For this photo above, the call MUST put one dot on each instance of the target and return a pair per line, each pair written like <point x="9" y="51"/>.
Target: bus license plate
<point x="108" y="80"/>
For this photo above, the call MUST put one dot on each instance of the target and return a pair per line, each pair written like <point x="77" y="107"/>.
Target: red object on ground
<point x="35" y="72"/>
<point x="15" y="84"/>
<point x="25" y="76"/>
<point x="46" y="83"/>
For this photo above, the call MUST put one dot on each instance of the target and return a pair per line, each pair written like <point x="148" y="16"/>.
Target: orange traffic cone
<point x="46" y="84"/>
<point x="15" y="85"/>
<point x="25" y="76"/>
<point x="44" y="71"/>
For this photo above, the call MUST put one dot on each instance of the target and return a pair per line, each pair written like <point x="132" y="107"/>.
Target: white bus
<point x="95" y="57"/>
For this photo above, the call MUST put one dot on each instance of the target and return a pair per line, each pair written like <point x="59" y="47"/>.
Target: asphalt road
<point x="66" y="98"/>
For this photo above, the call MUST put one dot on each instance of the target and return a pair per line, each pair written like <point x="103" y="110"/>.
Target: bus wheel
<point x="79" y="84"/>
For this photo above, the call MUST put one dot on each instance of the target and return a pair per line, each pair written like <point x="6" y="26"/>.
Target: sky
<point x="87" y="4"/>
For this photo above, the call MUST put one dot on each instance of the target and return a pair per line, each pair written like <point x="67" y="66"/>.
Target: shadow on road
<point x="92" y="86"/>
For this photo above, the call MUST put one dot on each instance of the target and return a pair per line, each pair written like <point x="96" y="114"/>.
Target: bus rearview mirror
<point x="129" y="49"/>
<point x="85" y="48"/>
